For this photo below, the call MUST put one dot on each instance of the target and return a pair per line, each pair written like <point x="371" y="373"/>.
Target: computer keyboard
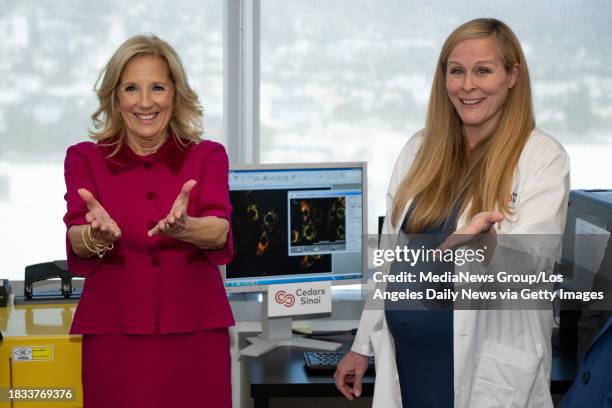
<point x="321" y="361"/>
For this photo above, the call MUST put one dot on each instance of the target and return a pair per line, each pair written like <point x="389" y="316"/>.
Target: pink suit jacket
<point x="158" y="284"/>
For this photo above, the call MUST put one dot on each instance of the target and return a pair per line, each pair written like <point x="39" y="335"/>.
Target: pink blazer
<point x="149" y="285"/>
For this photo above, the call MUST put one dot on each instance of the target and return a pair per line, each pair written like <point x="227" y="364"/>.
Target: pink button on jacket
<point x="147" y="285"/>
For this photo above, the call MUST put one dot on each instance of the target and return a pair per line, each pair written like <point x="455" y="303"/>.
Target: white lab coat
<point x="502" y="358"/>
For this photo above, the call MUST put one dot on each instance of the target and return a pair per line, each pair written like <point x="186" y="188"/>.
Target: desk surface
<point x="280" y="373"/>
<point x="36" y="319"/>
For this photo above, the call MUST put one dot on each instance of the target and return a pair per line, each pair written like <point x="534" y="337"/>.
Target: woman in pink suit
<point x="148" y="224"/>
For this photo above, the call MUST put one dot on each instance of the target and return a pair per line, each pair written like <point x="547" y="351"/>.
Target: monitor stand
<point x="276" y="332"/>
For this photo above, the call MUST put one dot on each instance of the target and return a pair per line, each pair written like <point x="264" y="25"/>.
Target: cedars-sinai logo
<point x="284" y="298"/>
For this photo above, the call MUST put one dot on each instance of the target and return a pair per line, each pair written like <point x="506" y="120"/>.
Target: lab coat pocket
<point x="504" y="377"/>
<point x="486" y="394"/>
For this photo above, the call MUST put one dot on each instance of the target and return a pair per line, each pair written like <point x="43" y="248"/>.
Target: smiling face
<point x="477" y="84"/>
<point x="146" y="96"/>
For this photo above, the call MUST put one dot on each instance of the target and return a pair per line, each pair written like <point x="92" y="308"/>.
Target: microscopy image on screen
<point x="259" y="226"/>
<point x="318" y="224"/>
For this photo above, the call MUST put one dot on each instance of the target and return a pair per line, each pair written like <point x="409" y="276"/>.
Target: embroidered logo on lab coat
<point x="512" y="204"/>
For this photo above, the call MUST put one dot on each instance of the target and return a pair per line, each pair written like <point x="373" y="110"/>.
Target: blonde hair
<point x="443" y="177"/>
<point x="186" y="121"/>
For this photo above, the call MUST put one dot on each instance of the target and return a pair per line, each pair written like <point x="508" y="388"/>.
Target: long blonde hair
<point x="442" y="177"/>
<point x="186" y="121"/>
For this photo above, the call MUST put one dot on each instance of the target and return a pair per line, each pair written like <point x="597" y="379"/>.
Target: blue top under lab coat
<point x="424" y="338"/>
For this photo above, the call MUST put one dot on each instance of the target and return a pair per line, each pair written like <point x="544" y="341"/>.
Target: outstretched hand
<point x="175" y="223"/>
<point x="103" y="227"/>
<point x="481" y="223"/>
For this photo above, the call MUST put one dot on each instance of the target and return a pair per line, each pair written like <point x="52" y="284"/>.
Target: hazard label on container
<point x="33" y="353"/>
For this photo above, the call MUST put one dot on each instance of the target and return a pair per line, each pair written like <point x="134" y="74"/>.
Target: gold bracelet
<point x="84" y="240"/>
<point x="101" y="248"/>
<point x="98" y="248"/>
<point x="97" y="244"/>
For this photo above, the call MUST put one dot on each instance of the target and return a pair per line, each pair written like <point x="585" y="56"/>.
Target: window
<point x="340" y="80"/>
<point x="350" y="79"/>
<point x="52" y="53"/>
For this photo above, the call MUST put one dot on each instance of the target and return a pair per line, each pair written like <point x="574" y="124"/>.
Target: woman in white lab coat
<point x="481" y="166"/>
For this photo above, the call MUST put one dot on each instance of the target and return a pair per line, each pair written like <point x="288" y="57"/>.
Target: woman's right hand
<point x="103" y="228"/>
<point x="481" y="223"/>
<point x="350" y="370"/>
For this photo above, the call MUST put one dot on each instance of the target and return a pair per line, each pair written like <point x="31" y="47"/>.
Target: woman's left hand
<point x="175" y="223"/>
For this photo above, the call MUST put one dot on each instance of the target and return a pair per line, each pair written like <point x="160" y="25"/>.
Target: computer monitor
<point x="296" y="223"/>
<point x="586" y="242"/>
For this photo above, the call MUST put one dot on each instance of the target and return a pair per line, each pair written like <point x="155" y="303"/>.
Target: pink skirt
<point x="157" y="371"/>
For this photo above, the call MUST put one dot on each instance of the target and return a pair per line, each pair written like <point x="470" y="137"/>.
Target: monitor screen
<point x="297" y="223"/>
